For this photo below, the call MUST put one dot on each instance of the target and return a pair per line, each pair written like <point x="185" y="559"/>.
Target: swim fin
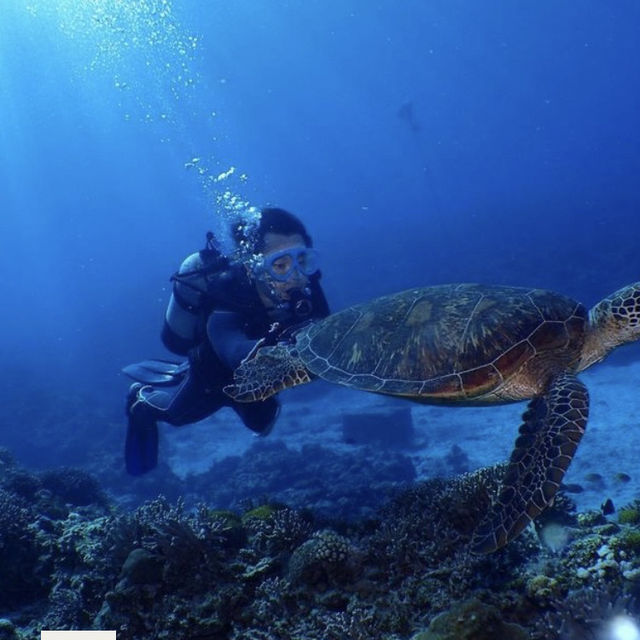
<point x="159" y="372"/>
<point x="141" y="447"/>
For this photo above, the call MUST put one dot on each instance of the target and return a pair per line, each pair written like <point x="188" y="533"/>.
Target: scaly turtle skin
<point x="467" y="344"/>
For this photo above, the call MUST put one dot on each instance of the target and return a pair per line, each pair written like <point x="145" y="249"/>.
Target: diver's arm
<point x="228" y="339"/>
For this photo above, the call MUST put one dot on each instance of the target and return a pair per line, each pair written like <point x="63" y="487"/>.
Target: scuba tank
<point x="190" y="300"/>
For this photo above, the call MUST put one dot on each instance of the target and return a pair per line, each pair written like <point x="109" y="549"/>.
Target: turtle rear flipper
<point x="270" y="370"/>
<point x="552" y="428"/>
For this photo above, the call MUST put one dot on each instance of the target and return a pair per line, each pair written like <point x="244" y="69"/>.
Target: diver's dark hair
<point x="249" y="237"/>
<point x="274" y="220"/>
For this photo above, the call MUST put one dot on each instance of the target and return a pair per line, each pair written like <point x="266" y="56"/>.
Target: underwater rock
<point x="141" y="567"/>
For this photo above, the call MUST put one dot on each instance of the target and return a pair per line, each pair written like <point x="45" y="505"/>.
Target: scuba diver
<point x="218" y="311"/>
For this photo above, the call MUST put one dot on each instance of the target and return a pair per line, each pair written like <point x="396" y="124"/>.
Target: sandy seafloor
<point x="610" y="446"/>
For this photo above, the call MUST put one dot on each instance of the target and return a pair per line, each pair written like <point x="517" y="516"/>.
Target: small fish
<point x="607" y="507"/>
<point x="573" y="488"/>
<point x="405" y="112"/>
<point x="622" y="477"/>
<point x="593" y="477"/>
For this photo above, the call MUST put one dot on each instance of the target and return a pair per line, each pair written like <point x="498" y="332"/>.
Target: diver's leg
<point x="146" y="405"/>
<point x="141" y="445"/>
<point x="193" y="401"/>
<point x="201" y="395"/>
<point x="198" y="396"/>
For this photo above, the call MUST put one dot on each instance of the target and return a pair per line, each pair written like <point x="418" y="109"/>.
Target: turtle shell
<point x="449" y="343"/>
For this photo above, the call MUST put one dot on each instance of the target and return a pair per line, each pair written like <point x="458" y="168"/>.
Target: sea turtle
<point x="467" y="344"/>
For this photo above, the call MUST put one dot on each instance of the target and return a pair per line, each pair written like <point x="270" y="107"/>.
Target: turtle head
<point x="612" y="322"/>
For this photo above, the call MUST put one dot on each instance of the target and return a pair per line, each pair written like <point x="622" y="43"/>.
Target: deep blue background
<point x="524" y="169"/>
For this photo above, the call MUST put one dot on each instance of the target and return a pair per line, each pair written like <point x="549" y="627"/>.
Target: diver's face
<point x="270" y="287"/>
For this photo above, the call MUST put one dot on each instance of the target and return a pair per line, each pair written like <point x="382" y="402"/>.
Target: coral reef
<point x="21" y="573"/>
<point x="270" y="571"/>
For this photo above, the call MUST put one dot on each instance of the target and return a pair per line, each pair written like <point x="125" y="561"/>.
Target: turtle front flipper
<point x="266" y="372"/>
<point x="549" y="436"/>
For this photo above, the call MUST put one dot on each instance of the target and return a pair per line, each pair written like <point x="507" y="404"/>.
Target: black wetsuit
<point x="233" y="318"/>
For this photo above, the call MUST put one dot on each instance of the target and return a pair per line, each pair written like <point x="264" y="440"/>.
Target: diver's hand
<point x="288" y="334"/>
<point x="270" y="340"/>
<point x="254" y="350"/>
<point x="276" y="335"/>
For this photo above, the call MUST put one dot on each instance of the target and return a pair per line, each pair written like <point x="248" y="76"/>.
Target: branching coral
<point x="281" y="532"/>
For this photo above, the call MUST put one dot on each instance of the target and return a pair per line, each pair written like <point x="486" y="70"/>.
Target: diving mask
<point x="281" y="265"/>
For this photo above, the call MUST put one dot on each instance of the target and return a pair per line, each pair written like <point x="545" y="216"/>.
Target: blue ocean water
<point x="421" y="143"/>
